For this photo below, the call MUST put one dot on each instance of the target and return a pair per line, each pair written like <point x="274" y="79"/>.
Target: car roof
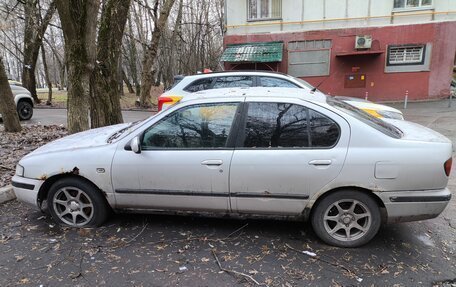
<point x="254" y="92"/>
<point x="244" y="72"/>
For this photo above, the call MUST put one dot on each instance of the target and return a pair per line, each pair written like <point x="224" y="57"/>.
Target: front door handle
<point x="212" y="162"/>
<point x="320" y="162"/>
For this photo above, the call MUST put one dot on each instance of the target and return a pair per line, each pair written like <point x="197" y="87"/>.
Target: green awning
<point x="254" y="52"/>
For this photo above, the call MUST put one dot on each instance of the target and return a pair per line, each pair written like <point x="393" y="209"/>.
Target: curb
<point x="7" y="194"/>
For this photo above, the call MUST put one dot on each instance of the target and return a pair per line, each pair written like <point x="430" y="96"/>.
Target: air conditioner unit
<point x="363" y="42"/>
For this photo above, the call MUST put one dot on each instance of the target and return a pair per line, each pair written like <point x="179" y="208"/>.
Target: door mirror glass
<point x="135" y="145"/>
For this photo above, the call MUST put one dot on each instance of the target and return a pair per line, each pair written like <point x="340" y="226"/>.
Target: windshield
<point x="378" y="124"/>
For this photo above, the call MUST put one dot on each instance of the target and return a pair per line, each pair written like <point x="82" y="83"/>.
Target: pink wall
<point x="379" y="85"/>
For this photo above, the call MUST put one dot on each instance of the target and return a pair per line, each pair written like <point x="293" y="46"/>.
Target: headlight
<point x="390" y="115"/>
<point x="19" y="170"/>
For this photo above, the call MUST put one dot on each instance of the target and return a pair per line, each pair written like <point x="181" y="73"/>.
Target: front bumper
<point x="403" y="206"/>
<point x="26" y="189"/>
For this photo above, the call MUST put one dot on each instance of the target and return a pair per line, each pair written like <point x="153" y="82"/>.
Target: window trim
<point x="259" y="19"/>
<point x="240" y="135"/>
<point x="423" y="55"/>
<point x="230" y="142"/>
<point x="419" y="7"/>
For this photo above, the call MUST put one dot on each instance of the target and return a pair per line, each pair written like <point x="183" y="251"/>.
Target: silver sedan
<point x="282" y="153"/>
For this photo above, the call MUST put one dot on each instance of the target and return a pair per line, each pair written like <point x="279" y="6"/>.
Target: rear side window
<point x="275" y="83"/>
<point x="324" y="132"/>
<point x="283" y="125"/>
<point x="199" y="85"/>
<point x="233" y="82"/>
<point x="196" y="127"/>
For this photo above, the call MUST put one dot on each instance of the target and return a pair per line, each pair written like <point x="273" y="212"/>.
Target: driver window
<point x="194" y="127"/>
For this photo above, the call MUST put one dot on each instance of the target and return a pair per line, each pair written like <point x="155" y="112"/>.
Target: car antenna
<point x="314" y="89"/>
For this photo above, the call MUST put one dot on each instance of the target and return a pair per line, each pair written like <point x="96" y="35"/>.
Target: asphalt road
<point x="59" y="116"/>
<point x="156" y="250"/>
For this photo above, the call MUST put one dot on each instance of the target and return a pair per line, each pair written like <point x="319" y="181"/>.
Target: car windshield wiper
<point x="117" y="134"/>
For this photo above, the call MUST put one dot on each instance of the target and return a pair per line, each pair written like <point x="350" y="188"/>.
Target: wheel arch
<point x="308" y="211"/>
<point x="26" y="99"/>
<point x="44" y="189"/>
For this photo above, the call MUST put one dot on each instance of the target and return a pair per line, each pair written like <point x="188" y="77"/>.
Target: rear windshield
<point x="378" y="124"/>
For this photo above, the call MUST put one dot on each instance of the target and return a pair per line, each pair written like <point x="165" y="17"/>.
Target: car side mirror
<point x="135" y="145"/>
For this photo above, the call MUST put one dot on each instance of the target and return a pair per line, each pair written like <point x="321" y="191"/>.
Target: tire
<point x="346" y="218"/>
<point x="24" y="110"/>
<point x="77" y="203"/>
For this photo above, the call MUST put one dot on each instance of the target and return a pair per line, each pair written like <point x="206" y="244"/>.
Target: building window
<point x="309" y="58"/>
<point x="405" y="4"/>
<point x="406" y="55"/>
<point x="264" y="9"/>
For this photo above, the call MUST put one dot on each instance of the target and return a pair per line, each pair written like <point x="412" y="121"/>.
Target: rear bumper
<point x="26" y="189"/>
<point x="403" y="206"/>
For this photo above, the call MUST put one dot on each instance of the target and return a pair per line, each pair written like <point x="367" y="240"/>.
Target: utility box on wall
<point x="355" y="81"/>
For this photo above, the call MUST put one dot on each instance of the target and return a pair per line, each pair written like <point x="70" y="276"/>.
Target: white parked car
<point x="269" y="152"/>
<point x="185" y="86"/>
<point x="23" y="100"/>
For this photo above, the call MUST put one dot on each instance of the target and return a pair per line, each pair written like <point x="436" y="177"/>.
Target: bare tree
<point x="79" y="25"/>
<point x="105" y="101"/>
<point x="46" y="75"/>
<point x="7" y="106"/>
<point x="150" y="54"/>
<point x="35" y="27"/>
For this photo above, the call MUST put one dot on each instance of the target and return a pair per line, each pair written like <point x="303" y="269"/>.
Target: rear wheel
<point x="77" y="203"/>
<point x="24" y="110"/>
<point x="346" y="218"/>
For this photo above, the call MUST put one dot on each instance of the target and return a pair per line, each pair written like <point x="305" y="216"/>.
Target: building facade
<point x="382" y="49"/>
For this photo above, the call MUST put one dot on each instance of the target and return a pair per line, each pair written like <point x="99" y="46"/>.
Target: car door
<point x="285" y="153"/>
<point x="183" y="164"/>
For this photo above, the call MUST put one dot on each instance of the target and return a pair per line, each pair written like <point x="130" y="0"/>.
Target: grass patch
<point x="59" y="98"/>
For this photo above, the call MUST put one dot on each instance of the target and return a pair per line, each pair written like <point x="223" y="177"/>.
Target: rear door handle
<point x="320" y="162"/>
<point x="212" y="162"/>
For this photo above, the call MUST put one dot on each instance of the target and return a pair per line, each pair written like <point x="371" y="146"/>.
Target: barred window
<point x="264" y="9"/>
<point x="406" y="55"/>
<point x="403" y="4"/>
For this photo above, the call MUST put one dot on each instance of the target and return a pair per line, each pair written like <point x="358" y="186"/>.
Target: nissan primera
<point x="282" y="153"/>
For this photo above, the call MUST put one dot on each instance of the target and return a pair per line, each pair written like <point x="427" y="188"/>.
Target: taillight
<point x="162" y="100"/>
<point x="447" y="166"/>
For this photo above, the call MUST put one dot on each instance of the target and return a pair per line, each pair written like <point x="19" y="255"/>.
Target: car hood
<point x="415" y="132"/>
<point x="86" y="139"/>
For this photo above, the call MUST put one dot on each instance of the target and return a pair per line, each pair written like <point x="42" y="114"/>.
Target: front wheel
<point x="77" y="203"/>
<point x="24" y="110"/>
<point x="346" y="218"/>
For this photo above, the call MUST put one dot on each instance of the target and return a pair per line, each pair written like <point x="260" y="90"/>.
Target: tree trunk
<point x="79" y="22"/>
<point x="133" y="58"/>
<point x="46" y="76"/>
<point x="33" y="38"/>
<point x="147" y="74"/>
<point x="105" y="101"/>
<point x="127" y="82"/>
<point x="62" y="84"/>
<point x="7" y="105"/>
